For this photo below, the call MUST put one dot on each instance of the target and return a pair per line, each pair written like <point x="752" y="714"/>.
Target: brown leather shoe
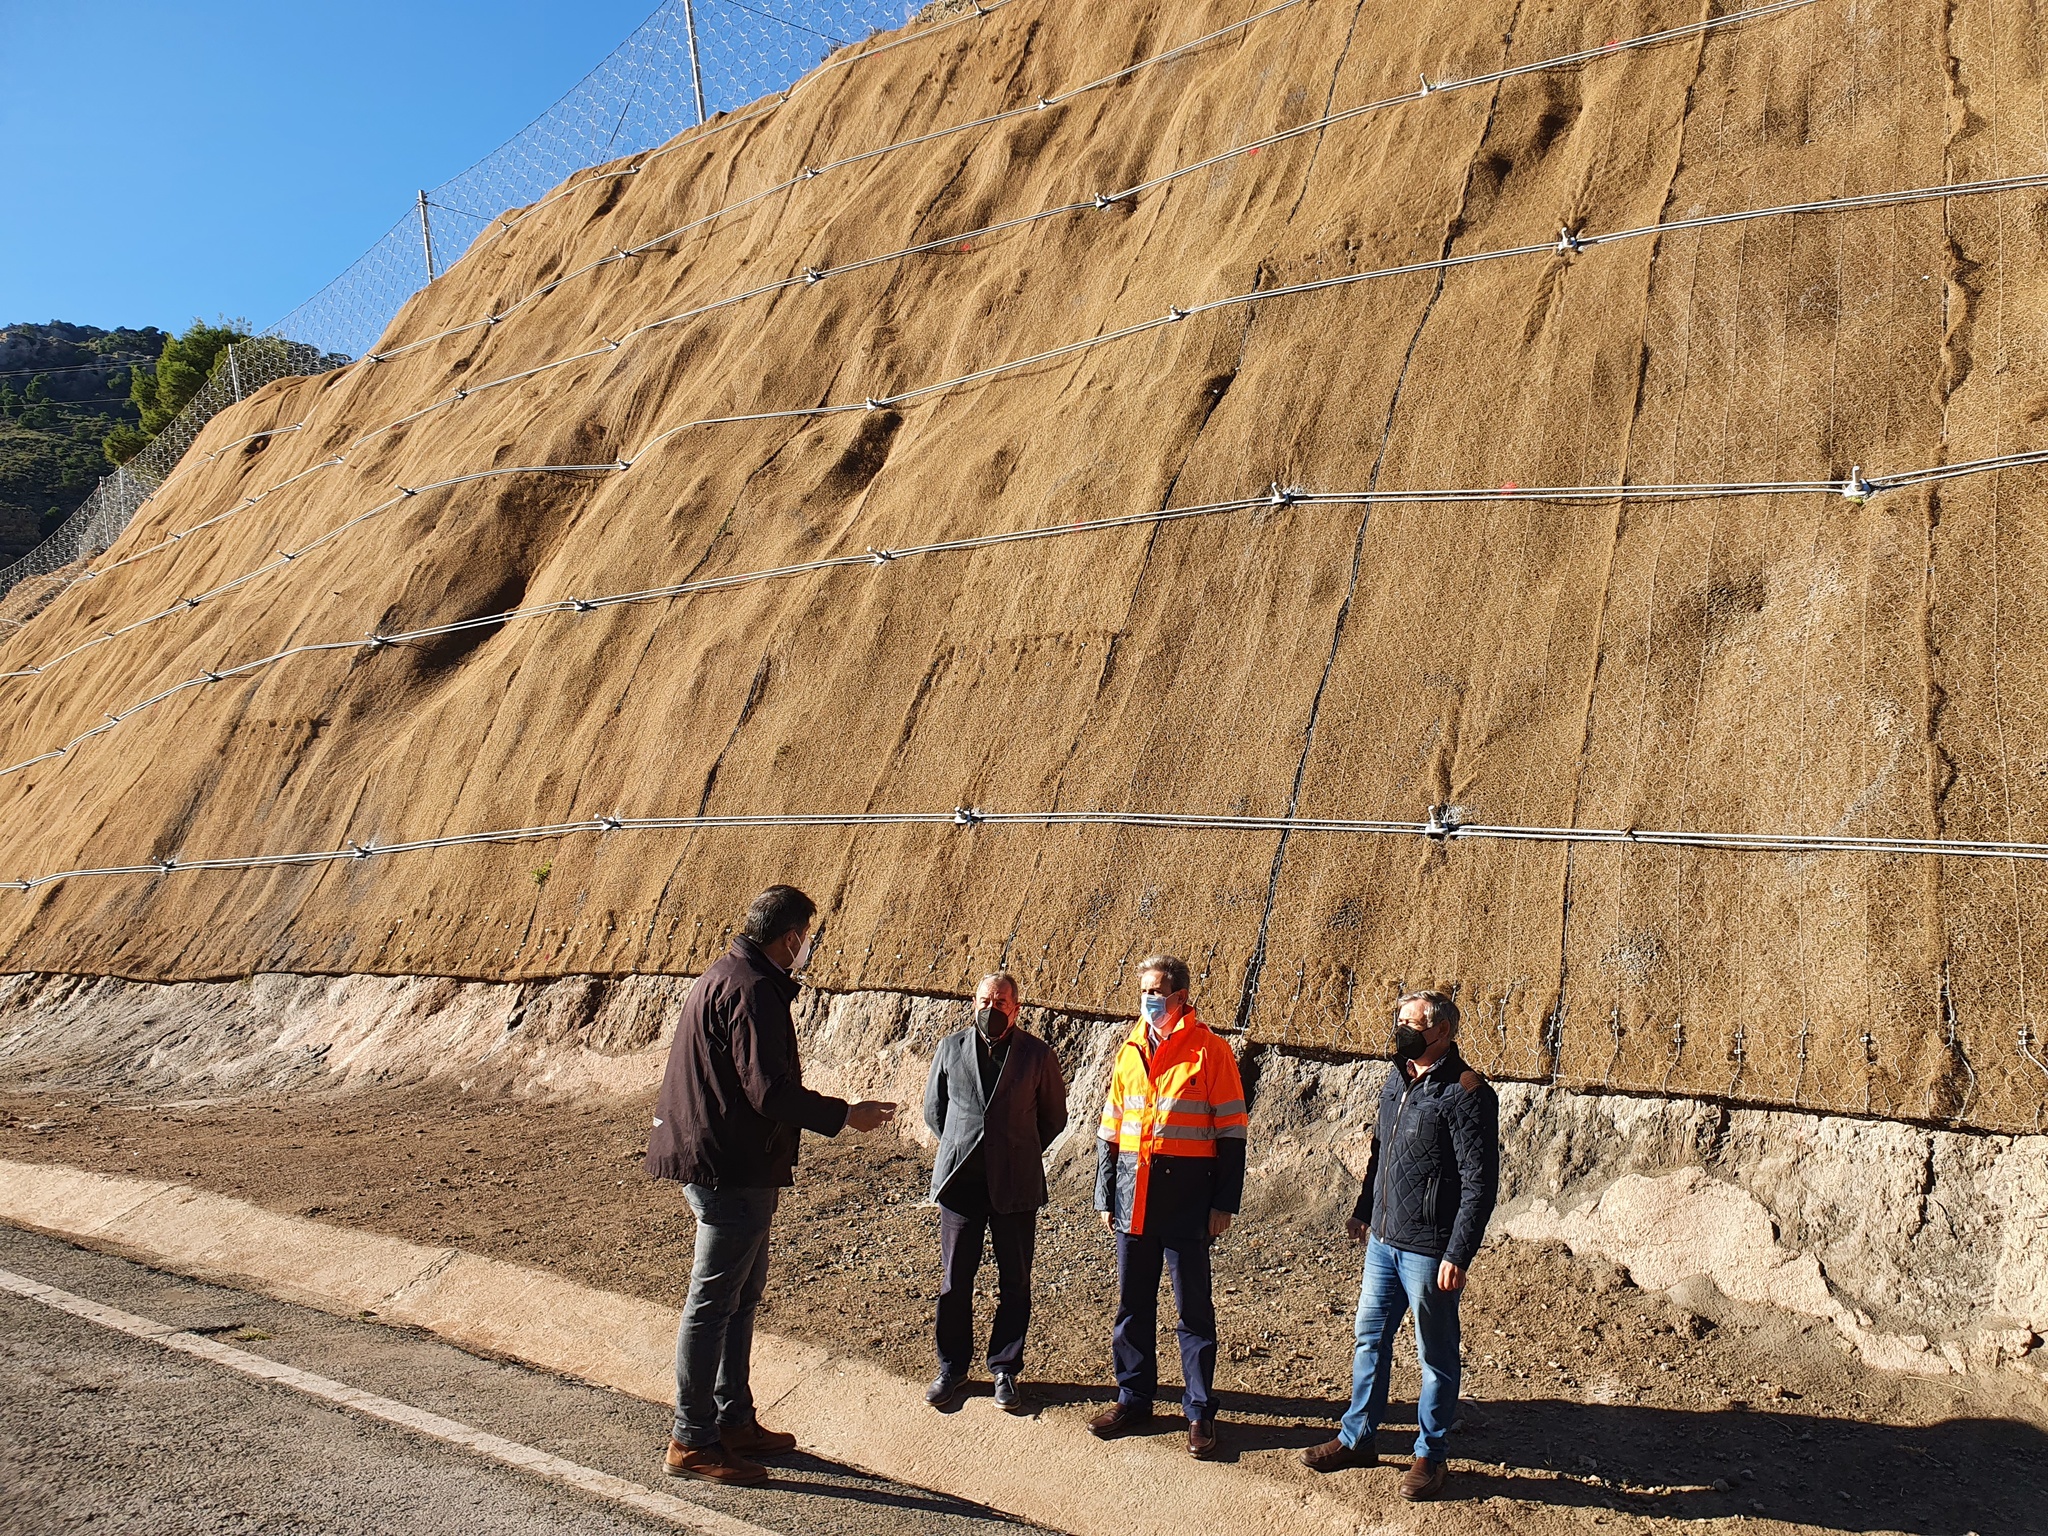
<point x="1335" y="1456"/>
<point x="1119" y="1419"/>
<point x="1202" y="1443"/>
<point x="755" y="1439"/>
<point x="713" y="1463"/>
<point x="1424" y="1478"/>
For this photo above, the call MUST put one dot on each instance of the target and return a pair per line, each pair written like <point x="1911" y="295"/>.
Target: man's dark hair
<point x="1438" y="1007"/>
<point x="1171" y="969"/>
<point x="778" y="910"/>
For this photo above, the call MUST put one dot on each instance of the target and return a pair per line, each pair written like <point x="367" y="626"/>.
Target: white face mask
<point x="803" y="955"/>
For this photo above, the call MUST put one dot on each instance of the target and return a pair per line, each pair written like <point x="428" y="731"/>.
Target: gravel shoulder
<point x="1591" y="1402"/>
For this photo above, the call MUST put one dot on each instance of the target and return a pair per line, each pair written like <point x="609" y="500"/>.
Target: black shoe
<point x="1202" y="1442"/>
<point x="943" y="1391"/>
<point x="1007" y="1397"/>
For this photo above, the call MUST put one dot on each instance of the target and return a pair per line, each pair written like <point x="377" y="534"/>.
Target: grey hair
<point x="1439" y="1006"/>
<point x="1171" y="967"/>
<point x="1006" y="979"/>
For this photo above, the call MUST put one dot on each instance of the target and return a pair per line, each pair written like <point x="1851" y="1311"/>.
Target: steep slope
<point x="1788" y="663"/>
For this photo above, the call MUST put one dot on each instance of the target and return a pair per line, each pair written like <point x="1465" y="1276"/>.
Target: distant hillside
<point x="62" y="389"/>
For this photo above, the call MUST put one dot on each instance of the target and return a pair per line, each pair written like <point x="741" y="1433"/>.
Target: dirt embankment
<point x="1794" y="663"/>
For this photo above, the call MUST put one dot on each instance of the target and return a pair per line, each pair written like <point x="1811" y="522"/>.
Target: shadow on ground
<point x="1954" y="1478"/>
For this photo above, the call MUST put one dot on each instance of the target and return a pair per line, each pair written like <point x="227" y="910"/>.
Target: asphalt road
<point x="103" y="1432"/>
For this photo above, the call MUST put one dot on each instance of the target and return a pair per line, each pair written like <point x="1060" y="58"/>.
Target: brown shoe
<point x="1424" y="1479"/>
<point x="1202" y="1444"/>
<point x="1119" y="1419"/>
<point x="754" y="1439"/>
<point x="713" y="1463"/>
<point x="1335" y="1456"/>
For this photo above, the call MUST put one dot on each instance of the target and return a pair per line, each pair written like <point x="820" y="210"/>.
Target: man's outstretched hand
<point x="868" y="1114"/>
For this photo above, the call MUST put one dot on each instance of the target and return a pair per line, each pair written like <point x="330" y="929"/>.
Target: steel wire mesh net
<point x="688" y="61"/>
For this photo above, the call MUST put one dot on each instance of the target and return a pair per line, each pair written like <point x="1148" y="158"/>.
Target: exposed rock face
<point x="1794" y="663"/>
<point x="1925" y="1248"/>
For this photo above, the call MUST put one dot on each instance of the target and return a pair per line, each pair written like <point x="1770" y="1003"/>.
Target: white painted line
<point x="527" y="1459"/>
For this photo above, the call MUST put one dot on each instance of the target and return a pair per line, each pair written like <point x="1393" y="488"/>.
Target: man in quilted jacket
<point x="1430" y="1186"/>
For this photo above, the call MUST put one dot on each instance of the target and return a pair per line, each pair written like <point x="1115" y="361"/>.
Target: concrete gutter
<point x="1046" y="1469"/>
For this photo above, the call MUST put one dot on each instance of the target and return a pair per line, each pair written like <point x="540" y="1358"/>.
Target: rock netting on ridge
<point x="1804" y="664"/>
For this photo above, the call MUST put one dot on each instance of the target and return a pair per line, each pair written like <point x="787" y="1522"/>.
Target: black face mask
<point x="1409" y="1042"/>
<point x="993" y="1023"/>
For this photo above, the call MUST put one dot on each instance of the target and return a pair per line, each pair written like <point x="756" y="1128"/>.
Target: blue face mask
<point x="1153" y="1006"/>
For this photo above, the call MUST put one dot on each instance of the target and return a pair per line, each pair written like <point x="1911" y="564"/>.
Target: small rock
<point x="1721" y="1484"/>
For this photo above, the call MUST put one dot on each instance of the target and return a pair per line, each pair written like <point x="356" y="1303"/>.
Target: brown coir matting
<point x="1784" y="664"/>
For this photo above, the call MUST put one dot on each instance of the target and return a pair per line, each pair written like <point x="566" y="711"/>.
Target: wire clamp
<point x="462" y="394"/>
<point x="1282" y="495"/>
<point x="286" y="554"/>
<point x="581" y="605"/>
<point x="405" y="491"/>
<point x="814" y="275"/>
<point x="1175" y="312"/>
<point x="1568" y="241"/>
<point x="166" y="865"/>
<point x="612" y="346"/>
<point x="213" y="677"/>
<point x="809" y="172"/>
<point x="1441" y="823"/>
<point x="873" y="404"/>
<point x="377" y="642"/>
<point x="1105" y="200"/>
<point x="966" y="816"/>
<point x="1043" y="103"/>
<point x="191" y="602"/>
<point x="373" y="357"/>
<point x="880" y="556"/>
<point x="1426" y="86"/>
<point x="624" y="465"/>
<point x="490" y="319"/>
<point x="609" y="824"/>
<point x="1856" y="488"/>
<point x="360" y="850"/>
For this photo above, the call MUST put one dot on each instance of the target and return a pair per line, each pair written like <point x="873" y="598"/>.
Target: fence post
<point x="234" y="374"/>
<point x="426" y="235"/>
<point x="696" y="73"/>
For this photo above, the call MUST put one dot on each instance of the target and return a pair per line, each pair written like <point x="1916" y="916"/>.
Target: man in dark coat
<point x="732" y="1108"/>
<point x="995" y="1100"/>
<point x="1430" y="1185"/>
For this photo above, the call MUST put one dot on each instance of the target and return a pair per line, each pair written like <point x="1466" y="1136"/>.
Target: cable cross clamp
<point x="967" y="816"/>
<point x="1426" y="86"/>
<point x="1441" y="823"/>
<point x="1568" y="241"/>
<point x="377" y="642"/>
<point x="462" y="394"/>
<point x="581" y="605"/>
<point x="166" y="865"/>
<point x="609" y="823"/>
<point x="191" y="602"/>
<point x="1175" y="312"/>
<point x="214" y="677"/>
<point x="881" y="556"/>
<point x="1857" y="489"/>
<point x="1109" y="200"/>
<point x="1282" y="495"/>
<point x="813" y="275"/>
<point x="809" y="172"/>
<point x="875" y="405"/>
<point x="360" y="850"/>
<point x="1043" y="103"/>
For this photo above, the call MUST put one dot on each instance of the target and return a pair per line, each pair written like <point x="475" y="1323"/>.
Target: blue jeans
<point x="1136" y="1337"/>
<point x="715" y="1342"/>
<point x="1395" y="1281"/>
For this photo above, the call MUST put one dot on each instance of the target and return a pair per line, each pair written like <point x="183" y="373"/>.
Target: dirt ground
<point x="1591" y="1403"/>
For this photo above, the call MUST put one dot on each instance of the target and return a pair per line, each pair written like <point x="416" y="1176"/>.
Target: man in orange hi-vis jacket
<point x="1169" y="1174"/>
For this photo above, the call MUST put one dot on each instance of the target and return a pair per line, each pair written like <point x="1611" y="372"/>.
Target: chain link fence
<point x="690" y="60"/>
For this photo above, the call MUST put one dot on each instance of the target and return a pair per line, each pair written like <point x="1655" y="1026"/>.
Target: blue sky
<point x="206" y="157"/>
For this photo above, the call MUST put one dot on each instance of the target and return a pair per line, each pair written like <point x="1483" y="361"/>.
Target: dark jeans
<point x="715" y="1343"/>
<point x="1014" y="1239"/>
<point x="1138" y="1261"/>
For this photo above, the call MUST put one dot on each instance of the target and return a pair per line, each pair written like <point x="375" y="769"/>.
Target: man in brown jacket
<point x="732" y="1109"/>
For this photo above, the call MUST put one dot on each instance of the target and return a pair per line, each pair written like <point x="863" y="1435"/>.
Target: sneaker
<point x="753" y="1438"/>
<point x="1119" y="1419"/>
<point x="1424" y="1479"/>
<point x="713" y="1463"/>
<point x="1007" y="1397"/>
<point x="942" y="1392"/>
<point x="1335" y="1456"/>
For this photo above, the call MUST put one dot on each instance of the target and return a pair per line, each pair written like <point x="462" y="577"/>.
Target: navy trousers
<point x="1185" y="1258"/>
